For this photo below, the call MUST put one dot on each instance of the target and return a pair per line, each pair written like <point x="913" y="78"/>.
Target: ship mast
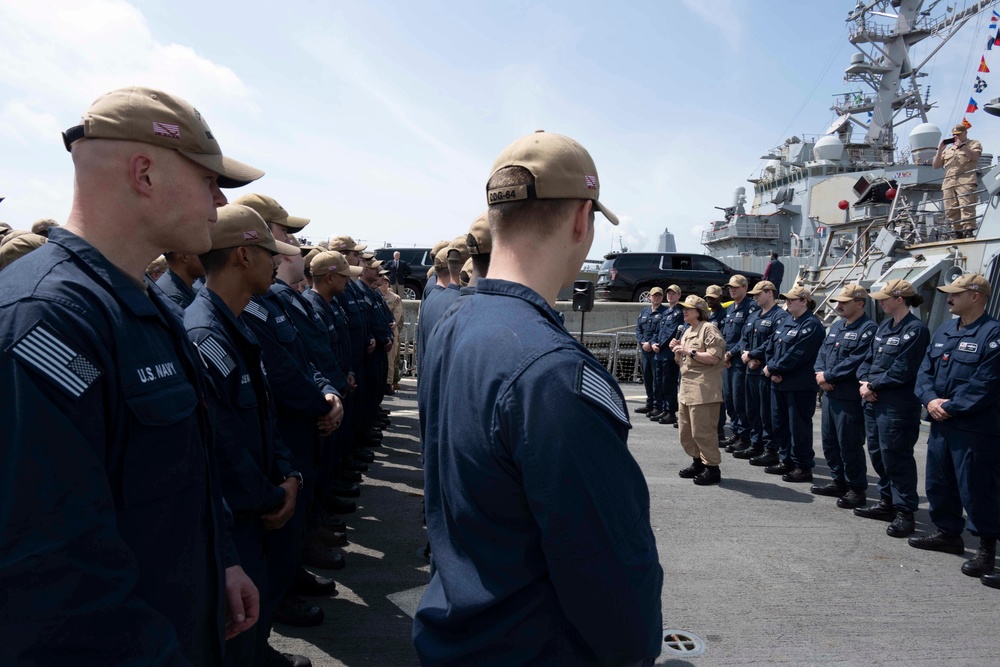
<point x="883" y="31"/>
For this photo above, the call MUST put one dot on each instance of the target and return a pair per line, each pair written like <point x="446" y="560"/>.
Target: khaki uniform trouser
<point x="960" y="205"/>
<point x="392" y="375"/>
<point x="698" y="427"/>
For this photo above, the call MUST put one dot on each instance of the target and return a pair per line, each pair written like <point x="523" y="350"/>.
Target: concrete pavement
<point x="762" y="570"/>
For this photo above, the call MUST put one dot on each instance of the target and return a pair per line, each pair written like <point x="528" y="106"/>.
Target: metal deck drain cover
<point x="682" y="643"/>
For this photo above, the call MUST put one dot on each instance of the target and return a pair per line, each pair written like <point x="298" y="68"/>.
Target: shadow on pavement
<point x="767" y="490"/>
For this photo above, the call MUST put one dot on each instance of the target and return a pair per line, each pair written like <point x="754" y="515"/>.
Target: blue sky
<point x="381" y="119"/>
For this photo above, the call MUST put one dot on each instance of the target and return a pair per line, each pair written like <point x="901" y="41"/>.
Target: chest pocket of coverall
<point x="284" y="331"/>
<point x="165" y="452"/>
<point x="967" y="362"/>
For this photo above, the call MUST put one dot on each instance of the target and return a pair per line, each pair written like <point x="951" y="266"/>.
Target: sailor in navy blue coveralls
<point x="843" y="427"/>
<point x="791" y="354"/>
<point x="892" y="411"/>
<point x="645" y="335"/>
<point x="667" y="373"/>
<point x="734" y="378"/>
<point x="959" y="384"/>
<point x="582" y="585"/>
<point x="757" y="332"/>
<point x="110" y="492"/>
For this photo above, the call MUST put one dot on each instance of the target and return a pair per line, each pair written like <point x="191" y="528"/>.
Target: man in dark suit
<point x="399" y="271"/>
<point x="774" y="271"/>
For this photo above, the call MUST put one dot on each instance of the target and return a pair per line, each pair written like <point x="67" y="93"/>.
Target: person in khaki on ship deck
<point x="960" y="158"/>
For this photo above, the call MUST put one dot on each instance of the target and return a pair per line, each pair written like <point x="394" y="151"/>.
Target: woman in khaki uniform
<point x="699" y="353"/>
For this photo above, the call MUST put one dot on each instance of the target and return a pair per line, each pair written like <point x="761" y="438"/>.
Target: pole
<point x="582" y="315"/>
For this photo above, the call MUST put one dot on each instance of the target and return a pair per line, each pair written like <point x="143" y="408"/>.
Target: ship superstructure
<point x="853" y="204"/>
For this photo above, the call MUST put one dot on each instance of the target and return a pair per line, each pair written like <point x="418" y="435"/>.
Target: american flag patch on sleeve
<point x="42" y="350"/>
<point x="594" y="387"/>
<point x="213" y="353"/>
<point x="256" y="310"/>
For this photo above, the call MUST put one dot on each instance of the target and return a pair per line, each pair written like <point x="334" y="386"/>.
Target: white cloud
<point x="26" y="125"/>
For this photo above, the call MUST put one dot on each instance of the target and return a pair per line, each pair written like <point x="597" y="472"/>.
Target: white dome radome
<point x="828" y="148"/>
<point x="924" y="137"/>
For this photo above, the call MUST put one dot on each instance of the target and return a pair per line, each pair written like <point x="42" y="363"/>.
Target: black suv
<point x="420" y="262"/>
<point x="629" y="276"/>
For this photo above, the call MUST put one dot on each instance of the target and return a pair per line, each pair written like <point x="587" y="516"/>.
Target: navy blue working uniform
<point x="376" y="361"/>
<point x="338" y="330"/>
<point x="757" y="332"/>
<point x="112" y="524"/>
<point x="892" y="423"/>
<point x="176" y="289"/>
<point x="431" y="312"/>
<point x="734" y="379"/>
<point x="962" y="365"/>
<point x="298" y="389"/>
<point x="645" y="332"/>
<point x="542" y="548"/>
<point x="253" y="462"/>
<point x="431" y="287"/>
<point x="791" y="353"/>
<point x="843" y="422"/>
<point x="667" y="373"/>
<point x="360" y="337"/>
<point x="315" y="333"/>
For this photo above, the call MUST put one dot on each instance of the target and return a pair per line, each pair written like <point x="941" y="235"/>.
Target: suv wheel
<point x="641" y="295"/>
<point x="409" y="293"/>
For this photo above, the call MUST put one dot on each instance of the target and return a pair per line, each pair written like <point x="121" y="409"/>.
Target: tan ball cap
<point x="563" y="169"/>
<point x="271" y="211"/>
<point x="479" y="239"/>
<point x="161" y="119"/>
<point x="894" y="288"/>
<point x="458" y="249"/>
<point x="438" y="246"/>
<point x="656" y="290"/>
<point x="798" y="292"/>
<point x="19" y="246"/>
<point x="761" y="286"/>
<point x="332" y="261"/>
<point x="342" y="243"/>
<point x="850" y="293"/>
<point x="40" y="226"/>
<point x="737" y="280"/>
<point x="713" y="291"/>
<point x="694" y="301"/>
<point x="441" y="260"/>
<point x="676" y="289"/>
<point x="959" y="129"/>
<point x="969" y="282"/>
<point x="242" y="226"/>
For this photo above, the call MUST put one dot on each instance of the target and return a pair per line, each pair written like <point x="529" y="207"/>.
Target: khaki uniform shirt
<point x="958" y="169"/>
<point x="395" y="303"/>
<point x="702" y="383"/>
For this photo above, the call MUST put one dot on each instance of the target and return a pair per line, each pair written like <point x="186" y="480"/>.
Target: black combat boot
<point x="881" y="511"/>
<point x="710" y="475"/>
<point x="835" y="489"/>
<point x="693" y="470"/>
<point x="901" y="526"/>
<point x="768" y="458"/>
<point x="939" y="541"/>
<point x="985" y="560"/>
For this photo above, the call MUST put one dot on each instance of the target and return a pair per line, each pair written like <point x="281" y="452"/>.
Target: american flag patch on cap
<point x="595" y="387"/>
<point x="256" y="310"/>
<point x="250" y="236"/>
<point x="167" y="130"/>
<point x="213" y="353"/>
<point x="42" y="350"/>
<point x="591" y="182"/>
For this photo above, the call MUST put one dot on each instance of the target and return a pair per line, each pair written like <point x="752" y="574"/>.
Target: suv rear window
<point x="636" y="261"/>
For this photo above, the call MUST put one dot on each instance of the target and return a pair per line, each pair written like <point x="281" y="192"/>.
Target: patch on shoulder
<point x="256" y="310"/>
<point x="213" y="353"/>
<point x="594" y="387"/>
<point x="45" y="352"/>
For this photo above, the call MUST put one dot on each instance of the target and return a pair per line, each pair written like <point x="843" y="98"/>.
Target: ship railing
<point x="925" y="220"/>
<point x="743" y="230"/>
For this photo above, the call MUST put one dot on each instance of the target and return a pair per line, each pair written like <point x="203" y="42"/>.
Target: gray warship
<point x="852" y="205"/>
